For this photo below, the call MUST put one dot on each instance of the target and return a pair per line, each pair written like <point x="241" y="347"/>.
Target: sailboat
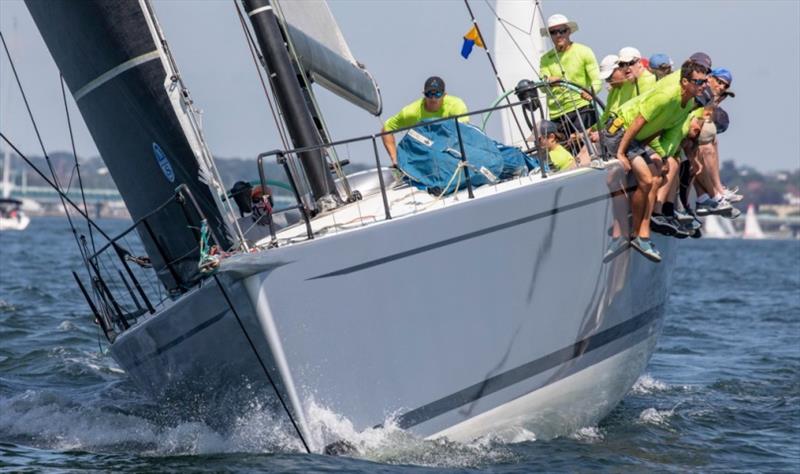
<point x="715" y="227"/>
<point x="752" y="229"/>
<point x="479" y="312"/>
<point x="12" y="216"/>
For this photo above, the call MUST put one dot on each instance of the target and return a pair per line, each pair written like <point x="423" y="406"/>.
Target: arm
<point x="593" y="72"/>
<point x="630" y="133"/>
<point x="390" y="145"/>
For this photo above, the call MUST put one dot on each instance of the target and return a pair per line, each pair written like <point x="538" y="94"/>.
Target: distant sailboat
<point x="12" y="217"/>
<point x="752" y="230"/>
<point x="715" y="227"/>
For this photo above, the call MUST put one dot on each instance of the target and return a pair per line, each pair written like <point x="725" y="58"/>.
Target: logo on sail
<point x="163" y="162"/>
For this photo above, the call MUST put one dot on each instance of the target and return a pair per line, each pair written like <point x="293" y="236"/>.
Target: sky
<point x="403" y="42"/>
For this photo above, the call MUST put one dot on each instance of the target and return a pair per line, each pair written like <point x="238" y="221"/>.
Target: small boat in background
<point x="752" y="229"/>
<point x="715" y="227"/>
<point x="11" y="215"/>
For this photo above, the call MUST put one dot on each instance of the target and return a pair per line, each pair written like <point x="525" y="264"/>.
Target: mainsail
<point x="324" y="54"/>
<point x="518" y="45"/>
<point x="113" y="59"/>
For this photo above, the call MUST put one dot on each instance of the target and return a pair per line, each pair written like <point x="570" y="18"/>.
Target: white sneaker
<point x="731" y="196"/>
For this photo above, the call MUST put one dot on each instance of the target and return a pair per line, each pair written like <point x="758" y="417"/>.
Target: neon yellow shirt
<point x="561" y="158"/>
<point x="669" y="143"/>
<point x="613" y="103"/>
<point x="579" y="66"/>
<point x="415" y="112"/>
<point x="642" y="84"/>
<point x="660" y="107"/>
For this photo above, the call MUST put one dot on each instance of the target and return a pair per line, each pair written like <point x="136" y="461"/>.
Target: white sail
<point x="752" y="230"/>
<point x="714" y="227"/>
<point x="323" y="53"/>
<point x="517" y="47"/>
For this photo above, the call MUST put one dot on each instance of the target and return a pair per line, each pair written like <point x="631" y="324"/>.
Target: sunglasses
<point x="628" y="64"/>
<point x="433" y="95"/>
<point x="698" y="82"/>
<point x="724" y="84"/>
<point x="560" y="31"/>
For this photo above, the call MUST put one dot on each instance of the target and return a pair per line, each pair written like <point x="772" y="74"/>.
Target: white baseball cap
<point x="556" y="20"/>
<point x="628" y="54"/>
<point x="607" y="66"/>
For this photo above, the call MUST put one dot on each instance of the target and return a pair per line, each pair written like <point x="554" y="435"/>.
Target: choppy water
<point x="722" y="392"/>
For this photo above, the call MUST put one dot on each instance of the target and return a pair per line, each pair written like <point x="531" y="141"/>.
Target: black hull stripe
<point x="528" y="370"/>
<point x="472" y="235"/>
<point x="160" y="350"/>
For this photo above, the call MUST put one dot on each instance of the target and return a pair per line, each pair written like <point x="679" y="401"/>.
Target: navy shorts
<point x="609" y="144"/>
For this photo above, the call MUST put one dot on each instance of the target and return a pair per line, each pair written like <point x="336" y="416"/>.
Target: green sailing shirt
<point x="579" y="66"/>
<point x="561" y="158"/>
<point x="642" y="84"/>
<point x="415" y="112"/>
<point x="661" y="108"/>
<point x="668" y="144"/>
<point x="613" y="103"/>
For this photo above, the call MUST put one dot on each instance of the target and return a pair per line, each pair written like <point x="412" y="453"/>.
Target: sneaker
<point x="697" y="234"/>
<point x="646" y="248"/>
<point x="733" y="213"/>
<point x="734" y="190"/>
<point x="711" y="206"/>
<point x="615" y="247"/>
<point x="683" y="217"/>
<point x="731" y="196"/>
<point x="684" y="230"/>
<point x="597" y="164"/>
<point x="662" y="225"/>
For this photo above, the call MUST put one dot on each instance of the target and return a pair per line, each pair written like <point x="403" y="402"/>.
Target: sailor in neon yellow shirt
<point x="549" y="135"/>
<point x="643" y="119"/>
<point x="435" y="104"/>
<point x="639" y="79"/>
<point x="571" y="62"/>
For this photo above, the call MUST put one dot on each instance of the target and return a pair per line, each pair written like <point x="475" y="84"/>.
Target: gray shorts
<point x="609" y="144"/>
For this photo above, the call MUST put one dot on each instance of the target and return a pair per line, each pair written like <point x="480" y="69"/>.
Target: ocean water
<point x="722" y="392"/>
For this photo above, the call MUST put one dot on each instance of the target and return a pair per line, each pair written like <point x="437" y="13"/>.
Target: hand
<point x="586" y="96"/>
<point x="594" y="136"/>
<point x="553" y="79"/>
<point x="624" y="161"/>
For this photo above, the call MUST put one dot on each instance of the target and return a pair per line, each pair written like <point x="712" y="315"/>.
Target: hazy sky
<point x="402" y="43"/>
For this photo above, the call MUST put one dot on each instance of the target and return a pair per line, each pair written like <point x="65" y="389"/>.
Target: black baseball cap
<point x="702" y="59"/>
<point x="433" y="84"/>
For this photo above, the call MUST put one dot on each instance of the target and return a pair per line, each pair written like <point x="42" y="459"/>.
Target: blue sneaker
<point x="616" y="247"/>
<point x="646" y="248"/>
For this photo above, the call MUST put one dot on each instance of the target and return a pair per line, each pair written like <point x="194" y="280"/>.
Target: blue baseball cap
<point x="660" y="59"/>
<point x="724" y="74"/>
<point x="721" y="120"/>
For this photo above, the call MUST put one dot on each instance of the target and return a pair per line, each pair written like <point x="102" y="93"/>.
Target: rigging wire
<point x="258" y="59"/>
<point x="62" y="196"/>
<point x="494" y="68"/>
<point x="331" y="150"/>
<point x="75" y="157"/>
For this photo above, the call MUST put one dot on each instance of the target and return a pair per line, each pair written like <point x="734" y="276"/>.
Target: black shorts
<point x="609" y="144"/>
<point x="569" y="123"/>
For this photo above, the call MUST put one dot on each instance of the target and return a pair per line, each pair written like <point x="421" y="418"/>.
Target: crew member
<point x="434" y="104"/>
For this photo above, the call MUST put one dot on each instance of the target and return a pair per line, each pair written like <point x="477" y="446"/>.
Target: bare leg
<point x="619" y="202"/>
<point x="666" y="192"/>
<point x="708" y="153"/>
<point x="639" y="202"/>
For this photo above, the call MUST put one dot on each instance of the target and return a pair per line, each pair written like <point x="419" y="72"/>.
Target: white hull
<point x="14" y="223"/>
<point x="458" y="321"/>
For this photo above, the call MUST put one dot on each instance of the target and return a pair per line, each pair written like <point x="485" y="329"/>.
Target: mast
<point x="291" y="100"/>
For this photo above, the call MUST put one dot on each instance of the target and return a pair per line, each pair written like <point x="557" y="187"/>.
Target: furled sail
<point x="324" y="54"/>
<point x="518" y="46"/>
<point x="126" y="87"/>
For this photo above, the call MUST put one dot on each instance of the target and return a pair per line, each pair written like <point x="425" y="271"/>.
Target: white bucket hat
<point x="556" y="20"/>
<point x="628" y="54"/>
<point x="607" y="66"/>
